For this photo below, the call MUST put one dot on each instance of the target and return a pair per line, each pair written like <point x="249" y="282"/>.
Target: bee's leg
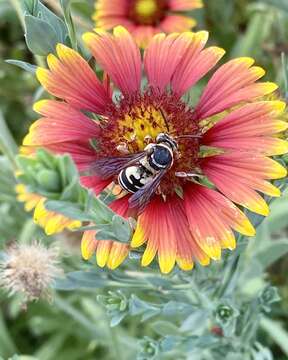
<point x="148" y="139"/>
<point x="123" y="148"/>
<point x="115" y="190"/>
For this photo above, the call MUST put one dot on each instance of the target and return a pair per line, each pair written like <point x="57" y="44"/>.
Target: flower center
<point x="147" y="12"/>
<point x="141" y="125"/>
<point x="135" y="122"/>
<point x="146" y="8"/>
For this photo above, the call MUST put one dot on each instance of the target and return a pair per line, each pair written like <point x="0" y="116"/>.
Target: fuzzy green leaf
<point x="40" y="36"/>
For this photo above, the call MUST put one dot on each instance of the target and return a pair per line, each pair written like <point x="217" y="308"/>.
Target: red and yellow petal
<point x="177" y="23"/>
<point x="163" y="55"/>
<point x="109" y="8"/>
<point x="118" y="55"/>
<point x="109" y="14"/>
<point x="70" y="78"/>
<point x="231" y="84"/>
<point x="143" y="34"/>
<point x="164" y="228"/>
<point x="88" y="244"/>
<point x="61" y="123"/>
<point x="30" y="199"/>
<point x="108" y="253"/>
<point x="95" y="183"/>
<point x="51" y="221"/>
<point x="211" y="218"/>
<point x="239" y="183"/>
<point x="184" y="5"/>
<point x="252" y="125"/>
<point x="195" y="63"/>
<point x="117" y="255"/>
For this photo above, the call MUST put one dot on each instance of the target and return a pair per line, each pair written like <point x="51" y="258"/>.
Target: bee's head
<point x="168" y="140"/>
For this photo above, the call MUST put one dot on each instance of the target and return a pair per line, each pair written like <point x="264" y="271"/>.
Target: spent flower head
<point x="29" y="270"/>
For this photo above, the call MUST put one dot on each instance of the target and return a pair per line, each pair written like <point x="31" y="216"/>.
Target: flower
<point x="29" y="269"/>
<point x="225" y="139"/>
<point x="51" y="221"/>
<point x="145" y="18"/>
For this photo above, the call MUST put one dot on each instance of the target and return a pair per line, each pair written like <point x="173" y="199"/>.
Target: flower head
<point x="145" y="18"/>
<point x="50" y="221"/>
<point x="220" y="157"/>
<point x="29" y="269"/>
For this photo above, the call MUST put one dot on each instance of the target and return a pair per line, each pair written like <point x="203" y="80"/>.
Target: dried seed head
<point x="29" y="269"/>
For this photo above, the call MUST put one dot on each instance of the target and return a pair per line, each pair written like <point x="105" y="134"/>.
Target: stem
<point x="229" y="276"/>
<point x="79" y="20"/>
<point x="115" y="341"/>
<point x="203" y="300"/>
<point x="7" y="143"/>
<point x="17" y="6"/>
<point x="28" y="231"/>
<point x="285" y="73"/>
<point x="75" y="314"/>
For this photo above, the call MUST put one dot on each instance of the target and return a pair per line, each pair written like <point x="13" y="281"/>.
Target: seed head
<point x="29" y="269"/>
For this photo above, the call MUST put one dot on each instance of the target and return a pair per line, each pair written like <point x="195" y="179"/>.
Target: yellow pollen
<point x="140" y="125"/>
<point x="146" y="8"/>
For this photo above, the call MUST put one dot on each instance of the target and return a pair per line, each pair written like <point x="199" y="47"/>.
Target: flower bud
<point x="49" y="180"/>
<point x="268" y="296"/>
<point x="225" y="313"/>
<point x="114" y="301"/>
<point x="149" y="349"/>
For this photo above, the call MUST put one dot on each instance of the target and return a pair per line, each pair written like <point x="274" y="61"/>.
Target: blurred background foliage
<point x="77" y="324"/>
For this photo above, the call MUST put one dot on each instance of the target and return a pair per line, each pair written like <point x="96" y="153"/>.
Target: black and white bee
<point x="140" y="173"/>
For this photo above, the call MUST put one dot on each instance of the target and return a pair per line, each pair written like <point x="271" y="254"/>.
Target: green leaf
<point x="121" y="228"/>
<point x="272" y="252"/>
<point x="279" y="4"/>
<point x="7" y="143"/>
<point x="79" y="280"/>
<point x="69" y="209"/>
<point x="40" y="36"/>
<point x="277" y="220"/>
<point x="23" y="65"/>
<point x="38" y="10"/>
<point x="197" y="317"/>
<point x="117" y="318"/>
<point x="23" y="357"/>
<point x="165" y="328"/>
<point x="7" y="346"/>
<point x="140" y="307"/>
<point x="277" y="332"/>
<point x="258" y="30"/>
<point x="109" y="231"/>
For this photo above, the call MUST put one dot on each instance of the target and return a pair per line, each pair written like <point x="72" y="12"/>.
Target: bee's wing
<point x="112" y="165"/>
<point x="141" y="198"/>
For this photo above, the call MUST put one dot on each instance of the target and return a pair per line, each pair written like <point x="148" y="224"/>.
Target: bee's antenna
<point x="188" y="136"/>
<point x="183" y="174"/>
<point x="164" y="118"/>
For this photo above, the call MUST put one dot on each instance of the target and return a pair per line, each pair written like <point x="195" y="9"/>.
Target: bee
<point x="140" y="173"/>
